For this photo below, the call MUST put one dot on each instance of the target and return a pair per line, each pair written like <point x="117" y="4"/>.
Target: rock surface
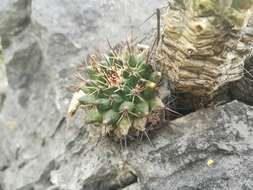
<point x="40" y="149"/>
<point x="3" y="81"/>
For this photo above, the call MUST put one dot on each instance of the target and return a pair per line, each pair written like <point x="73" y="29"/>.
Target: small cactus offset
<point x="120" y="90"/>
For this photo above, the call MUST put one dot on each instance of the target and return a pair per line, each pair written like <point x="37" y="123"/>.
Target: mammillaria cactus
<point x="204" y="46"/>
<point x="120" y="90"/>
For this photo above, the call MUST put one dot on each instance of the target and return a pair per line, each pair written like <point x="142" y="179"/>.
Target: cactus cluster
<point x="120" y="90"/>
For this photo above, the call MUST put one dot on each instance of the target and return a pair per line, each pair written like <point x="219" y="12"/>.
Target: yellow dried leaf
<point x="74" y="103"/>
<point x="210" y="162"/>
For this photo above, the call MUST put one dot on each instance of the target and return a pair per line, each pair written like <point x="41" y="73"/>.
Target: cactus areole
<point x="120" y="91"/>
<point x="204" y="45"/>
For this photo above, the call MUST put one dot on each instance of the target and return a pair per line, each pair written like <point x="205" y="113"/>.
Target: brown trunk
<point x="203" y="50"/>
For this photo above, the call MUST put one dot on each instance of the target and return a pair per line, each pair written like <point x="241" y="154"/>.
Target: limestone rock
<point x="44" y="42"/>
<point x="179" y="159"/>
<point x="3" y="80"/>
<point x="14" y="17"/>
<point x="40" y="149"/>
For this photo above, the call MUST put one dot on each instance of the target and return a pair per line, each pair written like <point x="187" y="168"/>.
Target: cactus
<point x="204" y="47"/>
<point x="120" y="90"/>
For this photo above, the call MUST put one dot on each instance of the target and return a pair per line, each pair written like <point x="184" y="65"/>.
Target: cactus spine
<point x="120" y="90"/>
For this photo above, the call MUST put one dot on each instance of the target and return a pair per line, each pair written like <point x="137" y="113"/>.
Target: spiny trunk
<point x="204" y="46"/>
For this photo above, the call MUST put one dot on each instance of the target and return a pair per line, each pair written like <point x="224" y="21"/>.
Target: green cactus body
<point x="122" y="91"/>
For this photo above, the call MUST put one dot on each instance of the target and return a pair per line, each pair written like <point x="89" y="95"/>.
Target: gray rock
<point x="3" y="85"/>
<point x="40" y="148"/>
<point x="44" y="42"/>
<point x="3" y="80"/>
<point x="14" y="17"/>
<point x="109" y="177"/>
<point x="179" y="160"/>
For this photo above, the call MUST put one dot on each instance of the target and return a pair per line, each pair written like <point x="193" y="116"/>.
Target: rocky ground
<point x="44" y="42"/>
